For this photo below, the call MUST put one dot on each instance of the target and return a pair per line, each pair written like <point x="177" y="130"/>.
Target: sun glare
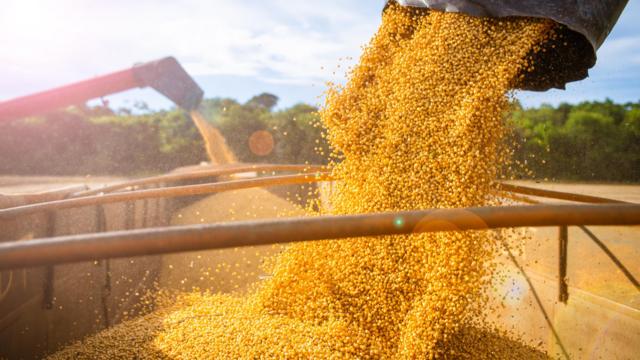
<point x="34" y="30"/>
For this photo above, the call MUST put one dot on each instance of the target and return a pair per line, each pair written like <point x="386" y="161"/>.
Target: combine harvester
<point x="75" y="261"/>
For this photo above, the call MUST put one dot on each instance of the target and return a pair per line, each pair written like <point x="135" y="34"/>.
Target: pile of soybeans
<point x="420" y="124"/>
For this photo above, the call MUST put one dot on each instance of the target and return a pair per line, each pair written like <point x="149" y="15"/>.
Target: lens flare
<point x="261" y="143"/>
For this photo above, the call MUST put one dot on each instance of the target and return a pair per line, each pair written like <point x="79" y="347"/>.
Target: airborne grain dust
<point x="418" y="125"/>
<point x="215" y="144"/>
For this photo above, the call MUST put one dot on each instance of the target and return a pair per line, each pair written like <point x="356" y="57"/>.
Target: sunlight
<point x="34" y="28"/>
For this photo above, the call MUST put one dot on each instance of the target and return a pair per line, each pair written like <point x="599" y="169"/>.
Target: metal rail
<point x="13" y="200"/>
<point x="200" y="174"/>
<point x="140" y="242"/>
<point x="174" y="191"/>
<point x="525" y="190"/>
<point x="563" y="240"/>
<point x="516" y="189"/>
<point x="86" y="198"/>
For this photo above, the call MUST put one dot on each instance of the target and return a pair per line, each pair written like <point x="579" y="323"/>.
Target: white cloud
<point x="58" y="41"/>
<point x="621" y="51"/>
<point x="290" y="44"/>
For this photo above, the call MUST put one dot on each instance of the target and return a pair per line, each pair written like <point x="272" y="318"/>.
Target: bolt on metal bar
<point x="174" y="191"/>
<point x="199" y="174"/>
<point x="140" y="242"/>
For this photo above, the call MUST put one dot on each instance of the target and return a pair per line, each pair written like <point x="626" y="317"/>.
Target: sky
<point x="238" y="49"/>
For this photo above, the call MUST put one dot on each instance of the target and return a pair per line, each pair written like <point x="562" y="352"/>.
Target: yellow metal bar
<point x="14" y="212"/>
<point x="12" y="200"/>
<point x="200" y="174"/>
<point x="525" y="190"/>
<point x="64" y="249"/>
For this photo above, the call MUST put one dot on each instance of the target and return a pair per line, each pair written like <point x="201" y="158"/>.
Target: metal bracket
<point x="563" y="242"/>
<point x="49" y="271"/>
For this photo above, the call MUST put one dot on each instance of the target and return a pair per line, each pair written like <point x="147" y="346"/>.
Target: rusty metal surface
<point x="216" y="236"/>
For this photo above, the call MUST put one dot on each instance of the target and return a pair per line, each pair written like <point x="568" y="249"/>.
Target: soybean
<point x="419" y="124"/>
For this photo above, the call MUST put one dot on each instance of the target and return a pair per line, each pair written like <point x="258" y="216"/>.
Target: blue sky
<point x="238" y="48"/>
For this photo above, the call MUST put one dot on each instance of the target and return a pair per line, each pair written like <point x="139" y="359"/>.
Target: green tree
<point x="298" y="135"/>
<point x="238" y="123"/>
<point x="587" y="141"/>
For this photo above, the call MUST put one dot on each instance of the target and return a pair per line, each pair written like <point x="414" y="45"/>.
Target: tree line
<point x="97" y="140"/>
<point x="589" y="141"/>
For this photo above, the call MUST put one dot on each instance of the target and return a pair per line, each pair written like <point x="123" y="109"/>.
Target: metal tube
<point x="558" y="194"/>
<point x="74" y="248"/>
<point x="12" y="200"/>
<point x="174" y="191"/>
<point x="518" y="189"/>
<point x="199" y="175"/>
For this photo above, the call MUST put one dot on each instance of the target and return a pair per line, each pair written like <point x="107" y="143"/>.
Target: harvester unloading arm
<point x="584" y="26"/>
<point x="165" y="76"/>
